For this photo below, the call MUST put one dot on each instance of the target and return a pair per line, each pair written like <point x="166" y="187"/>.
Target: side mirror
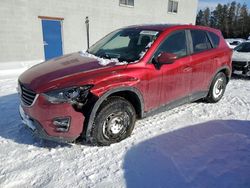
<point x="166" y="58"/>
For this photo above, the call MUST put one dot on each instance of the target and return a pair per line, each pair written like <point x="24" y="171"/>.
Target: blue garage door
<point x="52" y="38"/>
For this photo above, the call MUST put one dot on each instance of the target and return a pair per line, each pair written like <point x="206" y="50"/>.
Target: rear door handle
<point x="187" y="69"/>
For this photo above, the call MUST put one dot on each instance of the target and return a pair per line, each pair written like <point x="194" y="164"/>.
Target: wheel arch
<point x="131" y="94"/>
<point x="226" y="70"/>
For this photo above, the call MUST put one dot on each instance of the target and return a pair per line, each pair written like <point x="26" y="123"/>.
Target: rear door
<point x="202" y="61"/>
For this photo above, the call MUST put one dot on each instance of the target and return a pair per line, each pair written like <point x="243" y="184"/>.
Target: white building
<point x="31" y="30"/>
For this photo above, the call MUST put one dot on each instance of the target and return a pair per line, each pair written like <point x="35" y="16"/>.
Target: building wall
<point x="21" y="36"/>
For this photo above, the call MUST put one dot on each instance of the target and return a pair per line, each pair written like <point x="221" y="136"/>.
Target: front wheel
<point x="114" y="122"/>
<point x="217" y="88"/>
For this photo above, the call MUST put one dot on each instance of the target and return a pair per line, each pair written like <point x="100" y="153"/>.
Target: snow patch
<point x="102" y="61"/>
<point x="16" y="67"/>
<point x="141" y="55"/>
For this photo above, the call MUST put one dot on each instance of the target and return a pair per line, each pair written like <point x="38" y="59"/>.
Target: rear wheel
<point x="114" y="121"/>
<point x="217" y="88"/>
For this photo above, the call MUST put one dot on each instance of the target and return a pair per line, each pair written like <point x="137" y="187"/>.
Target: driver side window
<point x="175" y="43"/>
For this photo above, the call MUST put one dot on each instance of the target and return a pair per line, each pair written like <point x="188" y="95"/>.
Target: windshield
<point x="244" y="47"/>
<point x="126" y="45"/>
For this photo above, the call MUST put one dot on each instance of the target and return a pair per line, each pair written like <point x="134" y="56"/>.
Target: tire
<point x="114" y="122"/>
<point x="217" y="88"/>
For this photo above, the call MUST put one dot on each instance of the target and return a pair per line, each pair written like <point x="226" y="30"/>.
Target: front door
<point x="52" y="38"/>
<point x="176" y="77"/>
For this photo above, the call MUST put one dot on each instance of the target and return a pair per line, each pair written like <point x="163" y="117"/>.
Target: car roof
<point x="163" y="27"/>
<point x="158" y="27"/>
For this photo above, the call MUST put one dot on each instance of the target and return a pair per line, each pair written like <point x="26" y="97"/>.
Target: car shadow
<point x="11" y="126"/>
<point x="212" y="154"/>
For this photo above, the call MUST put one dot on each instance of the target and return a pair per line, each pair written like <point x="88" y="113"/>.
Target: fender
<point x="100" y="101"/>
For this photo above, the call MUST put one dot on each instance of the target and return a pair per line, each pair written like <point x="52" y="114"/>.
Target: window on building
<point x="172" y="6"/>
<point x="127" y="2"/>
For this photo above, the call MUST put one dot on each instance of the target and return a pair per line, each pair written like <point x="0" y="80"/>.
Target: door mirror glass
<point x="166" y="58"/>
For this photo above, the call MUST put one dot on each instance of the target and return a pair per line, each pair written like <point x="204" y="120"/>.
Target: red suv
<point x="97" y="95"/>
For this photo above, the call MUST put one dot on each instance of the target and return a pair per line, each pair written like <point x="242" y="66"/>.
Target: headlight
<point x="71" y="95"/>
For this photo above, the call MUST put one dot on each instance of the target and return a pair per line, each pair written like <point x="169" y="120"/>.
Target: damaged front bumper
<point x="35" y="127"/>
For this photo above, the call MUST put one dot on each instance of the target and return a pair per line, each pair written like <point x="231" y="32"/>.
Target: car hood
<point x="56" y="70"/>
<point x="241" y="56"/>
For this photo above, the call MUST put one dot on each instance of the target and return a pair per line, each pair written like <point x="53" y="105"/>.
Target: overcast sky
<point x="213" y="3"/>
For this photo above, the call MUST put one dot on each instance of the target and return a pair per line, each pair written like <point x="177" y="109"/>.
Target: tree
<point x="218" y="16"/>
<point x="212" y="20"/>
<point x="243" y="21"/>
<point x="207" y="17"/>
<point x="200" y="18"/>
<point x="232" y="19"/>
<point x="236" y="19"/>
<point x="224" y="26"/>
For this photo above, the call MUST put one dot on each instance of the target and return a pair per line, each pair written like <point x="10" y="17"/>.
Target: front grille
<point x="27" y="96"/>
<point x="239" y="63"/>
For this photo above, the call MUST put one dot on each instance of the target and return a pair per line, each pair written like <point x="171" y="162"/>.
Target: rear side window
<point x="215" y="39"/>
<point x="175" y="44"/>
<point x="200" y="41"/>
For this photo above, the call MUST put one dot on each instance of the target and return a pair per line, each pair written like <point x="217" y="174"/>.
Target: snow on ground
<point x="195" y="145"/>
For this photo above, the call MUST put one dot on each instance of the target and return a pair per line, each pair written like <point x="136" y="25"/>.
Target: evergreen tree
<point x="207" y="17"/>
<point x="236" y="21"/>
<point x="232" y="19"/>
<point x="213" y="21"/>
<point x="200" y="18"/>
<point x="243" y="21"/>
<point x="224" y="26"/>
<point x="218" y="16"/>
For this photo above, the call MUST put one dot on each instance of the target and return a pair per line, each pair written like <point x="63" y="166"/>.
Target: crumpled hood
<point x="241" y="56"/>
<point x="59" y="68"/>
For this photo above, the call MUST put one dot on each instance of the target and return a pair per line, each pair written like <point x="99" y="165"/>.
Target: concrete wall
<point x="21" y="37"/>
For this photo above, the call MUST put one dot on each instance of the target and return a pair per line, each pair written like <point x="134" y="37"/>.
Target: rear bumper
<point x="39" y="119"/>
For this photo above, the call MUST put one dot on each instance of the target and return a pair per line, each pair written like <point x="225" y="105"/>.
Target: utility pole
<point x="87" y="29"/>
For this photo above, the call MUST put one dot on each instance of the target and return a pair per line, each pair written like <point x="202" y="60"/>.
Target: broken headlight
<point x="70" y="95"/>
